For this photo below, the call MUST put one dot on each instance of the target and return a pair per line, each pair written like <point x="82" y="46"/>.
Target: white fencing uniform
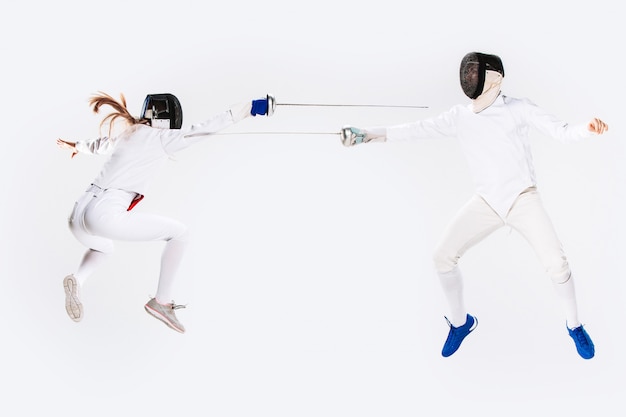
<point x="101" y="215"/>
<point x="496" y="145"/>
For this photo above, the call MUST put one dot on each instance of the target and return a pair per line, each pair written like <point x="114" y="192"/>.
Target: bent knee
<point x="444" y="261"/>
<point x="181" y="234"/>
<point x="561" y="273"/>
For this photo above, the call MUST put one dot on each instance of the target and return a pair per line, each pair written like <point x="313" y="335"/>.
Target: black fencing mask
<point x="163" y="111"/>
<point x="472" y="72"/>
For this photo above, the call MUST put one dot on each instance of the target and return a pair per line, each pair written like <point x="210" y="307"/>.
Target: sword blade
<point x="276" y="133"/>
<point x="351" y="105"/>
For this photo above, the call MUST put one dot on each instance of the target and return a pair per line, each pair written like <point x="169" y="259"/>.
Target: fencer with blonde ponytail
<point x="105" y="212"/>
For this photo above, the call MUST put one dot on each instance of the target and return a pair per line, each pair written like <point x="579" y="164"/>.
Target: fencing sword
<point x="348" y="135"/>
<point x="272" y="104"/>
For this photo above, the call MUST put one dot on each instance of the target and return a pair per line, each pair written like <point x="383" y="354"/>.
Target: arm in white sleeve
<point x="375" y="134"/>
<point x="241" y="111"/>
<point x="174" y="140"/>
<point x="99" y="146"/>
<point x="235" y="114"/>
<point x="552" y="126"/>
<point x="212" y="125"/>
<point x="441" y="126"/>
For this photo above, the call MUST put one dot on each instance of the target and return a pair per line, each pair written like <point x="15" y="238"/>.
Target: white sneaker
<point x="165" y="313"/>
<point x="73" y="305"/>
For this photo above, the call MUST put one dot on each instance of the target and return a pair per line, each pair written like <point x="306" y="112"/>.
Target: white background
<point x="309" y="283"/>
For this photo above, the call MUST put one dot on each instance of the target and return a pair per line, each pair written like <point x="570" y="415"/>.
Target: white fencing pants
<point x="477" y="220"/>
<point x="99" y="217"/>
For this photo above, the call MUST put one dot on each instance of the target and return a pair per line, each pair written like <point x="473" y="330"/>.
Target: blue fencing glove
<point x="259" y="107"/>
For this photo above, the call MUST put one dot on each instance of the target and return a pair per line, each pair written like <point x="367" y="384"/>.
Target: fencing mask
<point x="473" y="69"/>
<point x="163" y="111"/>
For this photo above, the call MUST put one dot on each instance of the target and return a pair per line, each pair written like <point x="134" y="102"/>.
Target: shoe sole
<point x="161" y="317"/>
<point x="73" y="306"/>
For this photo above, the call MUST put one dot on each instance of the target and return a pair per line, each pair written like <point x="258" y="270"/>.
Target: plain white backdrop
<point x="309" y="283"/>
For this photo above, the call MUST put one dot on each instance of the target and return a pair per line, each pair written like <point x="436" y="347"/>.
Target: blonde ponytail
<point x="120" y="110"/>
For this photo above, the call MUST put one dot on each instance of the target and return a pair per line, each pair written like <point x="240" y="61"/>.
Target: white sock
<point x="452" y="284"/>
<point x="566" y="292"/>
<point x="170" y="261"/>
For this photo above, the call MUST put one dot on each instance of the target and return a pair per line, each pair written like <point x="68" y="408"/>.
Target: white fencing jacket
<point x="495" y="143"/>
<point x="137" y="153"/>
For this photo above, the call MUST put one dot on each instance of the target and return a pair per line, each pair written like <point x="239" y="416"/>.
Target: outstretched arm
<point x="63" y="144"/>
<point x="99" y="146"/>
<point x="441" y="126"/>
<point x="597" y="126"/>
<point x="174" y="140"/>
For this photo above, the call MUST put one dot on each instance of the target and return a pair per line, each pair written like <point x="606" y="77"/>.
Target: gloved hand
<point x="352" y="136"/>
<point x="259" y="107"/>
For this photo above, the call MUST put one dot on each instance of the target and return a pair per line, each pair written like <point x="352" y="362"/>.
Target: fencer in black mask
<point x="493" y="133"/>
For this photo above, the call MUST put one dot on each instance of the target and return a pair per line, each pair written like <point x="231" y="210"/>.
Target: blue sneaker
<point x="584" y="345"/>
<point x="457" y="334"/>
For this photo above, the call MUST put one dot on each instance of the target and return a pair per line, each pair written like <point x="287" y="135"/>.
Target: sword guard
<point x="271" y="105"/>
<point x="351" y="136"/>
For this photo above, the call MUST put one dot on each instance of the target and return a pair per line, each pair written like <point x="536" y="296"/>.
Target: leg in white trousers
<point x="100" y="218"/>
<point x="477" y="220"/>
